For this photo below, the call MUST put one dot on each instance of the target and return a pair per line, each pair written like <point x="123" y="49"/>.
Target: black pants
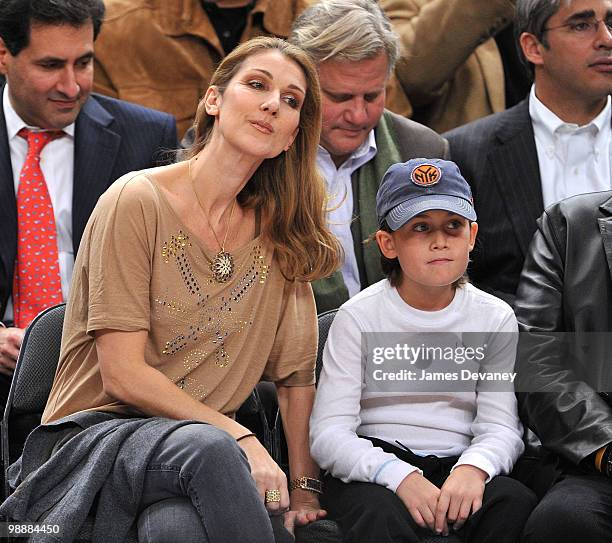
<point x="577" y="509"/>
<point x="370" y="513"/>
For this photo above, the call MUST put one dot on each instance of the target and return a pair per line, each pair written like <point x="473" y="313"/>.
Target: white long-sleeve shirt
<point x="478" y="425"/>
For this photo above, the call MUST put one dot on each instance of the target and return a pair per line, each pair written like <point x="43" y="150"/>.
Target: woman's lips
<point x="263" y="126"/>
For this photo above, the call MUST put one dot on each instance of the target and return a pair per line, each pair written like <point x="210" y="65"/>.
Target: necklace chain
<point x="222" y="266"/>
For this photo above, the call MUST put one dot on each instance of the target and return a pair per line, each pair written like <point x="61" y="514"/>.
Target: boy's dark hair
<point x="18" y="16"/>
<point x="393" y="271"/>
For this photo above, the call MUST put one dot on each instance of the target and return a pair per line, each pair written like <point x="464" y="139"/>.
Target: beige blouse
<point x="140" y="268"/>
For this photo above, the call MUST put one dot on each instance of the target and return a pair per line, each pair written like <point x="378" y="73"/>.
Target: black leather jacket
<point x="566" y="286"/>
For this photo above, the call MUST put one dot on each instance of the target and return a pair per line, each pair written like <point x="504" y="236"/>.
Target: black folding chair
<point x="260" y="414"/>
<point x="29" y="391"/>
<point x="31" y="384"/>
<point x="325" y="321"/>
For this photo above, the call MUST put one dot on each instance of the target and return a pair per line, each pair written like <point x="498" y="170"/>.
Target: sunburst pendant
<point x="222" y="267"/>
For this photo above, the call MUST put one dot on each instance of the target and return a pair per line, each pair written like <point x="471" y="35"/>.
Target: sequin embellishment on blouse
<point x="217" y="320"/>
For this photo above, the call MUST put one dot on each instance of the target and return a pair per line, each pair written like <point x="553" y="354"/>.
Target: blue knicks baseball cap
<point x="420" y="185"/>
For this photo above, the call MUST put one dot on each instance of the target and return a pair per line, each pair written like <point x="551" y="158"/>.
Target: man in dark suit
<point x="552" y="145"/>
<point x="355" y="57"/>
<point x="563" y="306"/>
<point x="46" y="55"/>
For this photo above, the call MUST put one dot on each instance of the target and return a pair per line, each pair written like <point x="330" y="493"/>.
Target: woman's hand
<point x="420" y="498"/>
<point x="295" y="406"/>
<point x="305" y="508"/>
<point x="267" y="474"/>
<point x="460" y="496"/>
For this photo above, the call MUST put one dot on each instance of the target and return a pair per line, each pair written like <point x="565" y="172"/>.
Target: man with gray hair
<point x="355" y="50"/>
<point x="555" y="144"/>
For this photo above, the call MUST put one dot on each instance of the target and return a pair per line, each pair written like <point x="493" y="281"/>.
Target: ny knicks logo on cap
<point x="425" y="175"/>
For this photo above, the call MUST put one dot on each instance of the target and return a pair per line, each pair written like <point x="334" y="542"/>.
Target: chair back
<point x="325" y="321"/>
<point x="32" y="381"/>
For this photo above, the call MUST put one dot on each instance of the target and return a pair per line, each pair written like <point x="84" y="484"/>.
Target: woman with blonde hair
<point x="191" y="285"/>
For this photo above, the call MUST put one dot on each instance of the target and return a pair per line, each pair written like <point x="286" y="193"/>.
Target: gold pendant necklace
<point x="222" y="266"/>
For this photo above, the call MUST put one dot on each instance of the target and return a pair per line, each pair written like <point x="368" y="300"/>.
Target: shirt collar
<point x="359" y="156"/>
<point x="14" y="123"/>
<point x="544" y="119"/>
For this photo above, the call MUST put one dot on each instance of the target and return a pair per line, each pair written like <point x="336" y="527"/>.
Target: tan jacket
<point x="162" y="53"/>
<point x="451" y="68"/>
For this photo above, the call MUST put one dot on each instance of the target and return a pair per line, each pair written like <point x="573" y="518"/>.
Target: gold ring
<point x="272" y="496"/>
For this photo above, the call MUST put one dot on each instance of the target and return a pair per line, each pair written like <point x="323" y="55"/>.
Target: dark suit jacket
<point x="497" y="155"/>
<point x="566" y="287"/>
<point x="112" y="137"/>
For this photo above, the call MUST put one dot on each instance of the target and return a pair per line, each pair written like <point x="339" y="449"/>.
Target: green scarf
<point x="331" y="292"/>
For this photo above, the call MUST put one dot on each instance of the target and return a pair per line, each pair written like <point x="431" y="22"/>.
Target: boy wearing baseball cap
<point x="402" y="456"/>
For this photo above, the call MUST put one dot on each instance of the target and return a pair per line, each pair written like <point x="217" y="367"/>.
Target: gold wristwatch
<point x="306" y="483"/>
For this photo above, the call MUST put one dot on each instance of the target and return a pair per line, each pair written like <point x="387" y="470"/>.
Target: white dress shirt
<point x="573" y="159"/>
<point x="340" y="204"/>
<point x="57" y="164"/>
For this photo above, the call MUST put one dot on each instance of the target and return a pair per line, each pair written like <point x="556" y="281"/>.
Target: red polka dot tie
<point x="37" y="284"/>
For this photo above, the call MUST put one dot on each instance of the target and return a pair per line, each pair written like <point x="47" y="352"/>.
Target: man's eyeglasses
<point x="584" y="28"/>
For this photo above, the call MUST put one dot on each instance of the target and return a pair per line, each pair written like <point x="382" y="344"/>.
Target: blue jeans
<point x="198" y="488"/>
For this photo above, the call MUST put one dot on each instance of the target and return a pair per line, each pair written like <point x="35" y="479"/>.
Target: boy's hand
<point x="420" y="498"/>
<point x="460" y="495"/>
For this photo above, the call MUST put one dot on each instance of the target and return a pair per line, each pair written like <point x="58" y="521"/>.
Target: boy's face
<point x="433" y="249"/>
